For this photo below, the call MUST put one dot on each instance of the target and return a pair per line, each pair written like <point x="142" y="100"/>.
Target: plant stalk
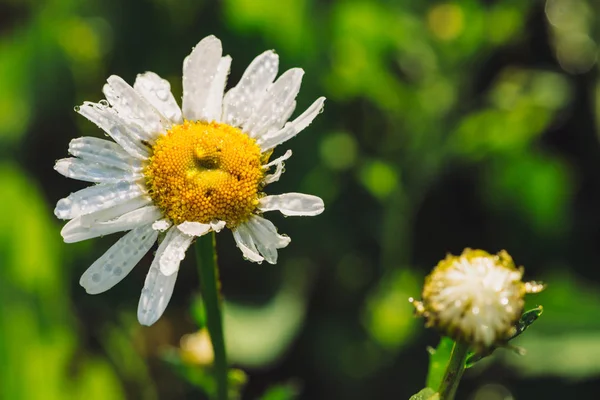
<point x="206" y="259"/>
<point x="454" y="370"/>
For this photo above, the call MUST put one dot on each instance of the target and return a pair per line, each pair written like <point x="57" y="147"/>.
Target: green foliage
<point x="339" y="150"/>
<point x="566" y="341"/>
<point x="420" y="95"/>
<point x="38" y="336"/>
<point x="438" y="361"/>
<point x="287" y="391"/>
<point x="426" y="394"/>
<point x="379" y="178"/>
<point x="259" y="335"/>
<point x="204" y="377"/>
<point x="287" y="23"/>
<point x="15" y="97"/>
<point x="388" y="316"/>
<point x="537" y="187"/>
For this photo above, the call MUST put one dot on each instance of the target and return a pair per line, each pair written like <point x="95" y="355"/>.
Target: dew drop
<point x="162" y="94"/>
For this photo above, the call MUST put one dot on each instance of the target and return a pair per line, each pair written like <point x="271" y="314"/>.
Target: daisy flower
<point x="172" y="174"/>
<point x="476" y="297"/>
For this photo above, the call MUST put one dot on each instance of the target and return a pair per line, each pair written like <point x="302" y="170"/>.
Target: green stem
<point x="454" y="370"/>
<point x="206" y="258"/>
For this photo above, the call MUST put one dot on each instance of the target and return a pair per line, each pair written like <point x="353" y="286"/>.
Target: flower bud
<point x="475" y="297"/>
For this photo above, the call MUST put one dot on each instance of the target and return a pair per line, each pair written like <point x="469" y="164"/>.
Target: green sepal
<point x="526" y="320"/>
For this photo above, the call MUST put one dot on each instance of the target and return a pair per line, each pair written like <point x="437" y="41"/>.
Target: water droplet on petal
<point x="162" y="94"/>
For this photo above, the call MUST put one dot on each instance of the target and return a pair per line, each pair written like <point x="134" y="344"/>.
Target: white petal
<point x="118" y="261"/>
<point x="90" y="171"/>
<point x="244" y="242"/>
<point x="265" y="237"/>
<point x="127" y="135"/>
<point x="194" y="228"/>
<point x="172" y="251"/>
<point x="75" y="231"/>
<point x="243" y="100"/>
<point x="199" y="70"/>
<point x="217" y="226"/>
<point x="130" y="105"/>
<point x="161" y="225"/>
<point x="291" y="129"/>
<point x="279" y="165"/>
<point x="103" y="152"/>
<point x="157" y="291"/>
<point x="214" y="103"/>
<point x="96" y="198"/>
<point x="278" y="160"/>
<point x="292" y="204"/>
<point x="158" y="93"/>
<point x="278" y="104"/>
<point x="89" y="220"/>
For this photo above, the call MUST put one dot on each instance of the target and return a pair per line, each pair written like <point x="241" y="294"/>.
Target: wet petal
<point x="118" y="261"/>
<point x="243" y="240"/>
<point x="292" y="204"/>
<point x="134" y="108"/>
<point x="278" y="104"/>
<point x="96" y="198"/>
<point x="157" y="291"/>
<point x="172" y="251"/>
<point x="127" y="135"/>
<point x="265" y="237"/>
<point x="115" y="211"/>
<point x="199" y="70"/>
<point x="75" y="231"/>
<point x="194" y="228"/>
<point x="89" y="171"/>
<point x="291" y="129"/>
<point x="240" y="103"/>
<point x="157" y="91"/>
<point x="103" y="152"/>
<point x="279" y="168"/>
<point x="214" y="103"/>
<point x="161" y="225"/>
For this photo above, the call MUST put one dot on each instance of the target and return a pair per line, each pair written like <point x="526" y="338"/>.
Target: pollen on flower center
<point x="203" y="172"/>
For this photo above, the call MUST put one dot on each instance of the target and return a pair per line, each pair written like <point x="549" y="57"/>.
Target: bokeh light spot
<point x="446" y="21"/>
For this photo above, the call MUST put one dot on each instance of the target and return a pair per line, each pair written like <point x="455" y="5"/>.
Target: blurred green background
<point x="448" y="124"/>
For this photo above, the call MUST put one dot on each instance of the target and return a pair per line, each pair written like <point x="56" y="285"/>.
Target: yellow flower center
<point x="203" y="172"/>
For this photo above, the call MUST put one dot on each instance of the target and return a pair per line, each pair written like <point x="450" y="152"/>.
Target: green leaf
<point x="438" y="361"/>
<point x="426" y="394"/>
<point x="528" y="318"/>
